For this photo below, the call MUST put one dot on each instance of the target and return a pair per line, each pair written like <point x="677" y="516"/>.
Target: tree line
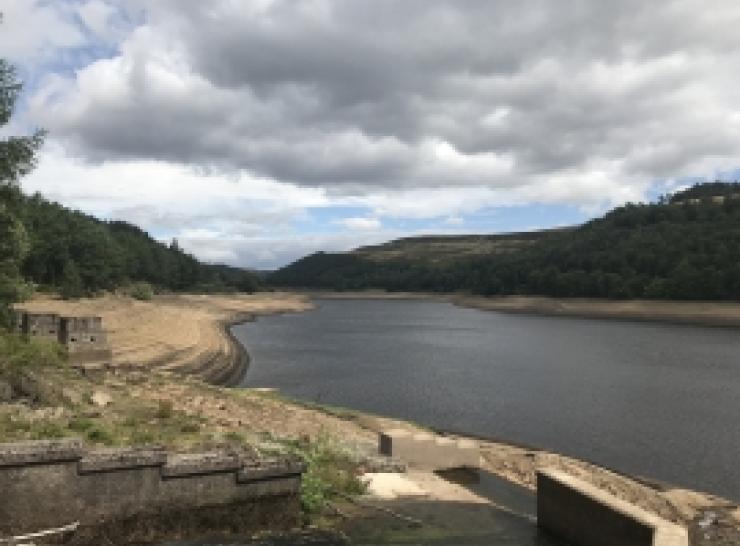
<point x="672" y="249"/>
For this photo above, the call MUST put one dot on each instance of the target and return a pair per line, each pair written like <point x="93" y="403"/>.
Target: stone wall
<point x="142" y="494"/>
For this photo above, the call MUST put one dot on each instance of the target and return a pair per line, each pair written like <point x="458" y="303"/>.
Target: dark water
<point x="660" y="401"/>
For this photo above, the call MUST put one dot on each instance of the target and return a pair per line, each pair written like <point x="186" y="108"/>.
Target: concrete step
<point x="429" y="451"/>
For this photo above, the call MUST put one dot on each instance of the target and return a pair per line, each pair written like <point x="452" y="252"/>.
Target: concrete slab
<point x="582" y="514"/>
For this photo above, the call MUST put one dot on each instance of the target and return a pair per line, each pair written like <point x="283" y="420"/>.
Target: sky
<point x="258" y="131"/>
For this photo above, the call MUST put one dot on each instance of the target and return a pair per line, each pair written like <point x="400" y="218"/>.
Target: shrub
<point x="17" y="353"/>
<point x="329" y="471"/>
<point x="100" y="436"/>
<point x="140" y="291"/>
<point x="164" y="409"/>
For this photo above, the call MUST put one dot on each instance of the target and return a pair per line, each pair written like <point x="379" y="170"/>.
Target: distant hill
<point x="685" y="246"/>
<point x="79" y="254"/>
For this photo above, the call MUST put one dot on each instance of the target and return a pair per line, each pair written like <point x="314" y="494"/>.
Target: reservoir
<point x="654" y="400"/>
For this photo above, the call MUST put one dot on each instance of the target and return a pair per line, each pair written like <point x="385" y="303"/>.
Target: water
<point x="655" y="400"/>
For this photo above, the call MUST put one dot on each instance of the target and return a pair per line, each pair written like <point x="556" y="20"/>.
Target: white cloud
<point x="32" y="30"/>
<point x="361" y="224"/>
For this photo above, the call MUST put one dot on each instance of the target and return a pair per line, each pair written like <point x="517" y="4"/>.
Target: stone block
<point x="120" y="459"/>
<point x="426" y="450"/>
<point x="193" y="464"/>
<point x="40" y="452"/>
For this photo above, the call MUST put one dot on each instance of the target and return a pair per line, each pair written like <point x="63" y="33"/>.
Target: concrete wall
<point x="583" y="515"/>
<point x="53" y="483"/>
<point x="40" y="325"/>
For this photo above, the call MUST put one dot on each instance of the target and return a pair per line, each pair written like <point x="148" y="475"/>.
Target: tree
<point x="17" y="157"/>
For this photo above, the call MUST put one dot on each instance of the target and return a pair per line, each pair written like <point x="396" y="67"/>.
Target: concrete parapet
<point x="40" y="452"/>
<point x="584" y="515"/>
<point x="50" y="484"/>
<point x="427" y="450"/>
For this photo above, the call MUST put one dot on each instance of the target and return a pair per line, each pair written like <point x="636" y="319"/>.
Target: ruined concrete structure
<point x="40" y="325"/>
<point x="134" y="495"/>
<point x="84" y="337"/>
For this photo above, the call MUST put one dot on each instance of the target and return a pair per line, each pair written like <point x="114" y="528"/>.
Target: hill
<point x="683" y="247"/>
<point x="79" y="254"/>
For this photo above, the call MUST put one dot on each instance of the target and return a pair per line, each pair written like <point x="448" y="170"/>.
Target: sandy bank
<point x="706" y="313"/>
<point x="183" y="333"/>
<point x="702" y="313"/>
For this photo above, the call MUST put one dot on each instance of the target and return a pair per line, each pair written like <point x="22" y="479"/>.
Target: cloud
<point x="361" y="224"/>
<point x="351" y="97"/>
<point x="32" y="30"/>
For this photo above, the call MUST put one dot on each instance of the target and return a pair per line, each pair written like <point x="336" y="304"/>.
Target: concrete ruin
<point x="132" y="495"/>
<point x="84" y="337"/>
<point x="40" y="325"/>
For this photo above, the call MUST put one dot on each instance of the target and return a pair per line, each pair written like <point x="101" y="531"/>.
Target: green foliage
<point x="71" y="287"/>
<point x="140" y="291"/>
<point x="17" y="157"/>
<point x="669" y="250"/>
<point x="330" y="472"/>
<point x="81" y="255"/>
<point x="17" y="154"/>
<point x="17" y="354"/>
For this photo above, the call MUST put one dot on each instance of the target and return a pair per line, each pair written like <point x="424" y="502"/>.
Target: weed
<point x="100" y="435"/>
<point x="329" y="471"/>
<point x="165" y="409"/>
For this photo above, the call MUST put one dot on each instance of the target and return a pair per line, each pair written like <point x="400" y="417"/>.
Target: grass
<point x="18" y="354"/>
<point x="125" y="425"/>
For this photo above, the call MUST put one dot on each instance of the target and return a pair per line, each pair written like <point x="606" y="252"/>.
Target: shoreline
<point x="689" y="313"/>
<point x="185" y="334"/>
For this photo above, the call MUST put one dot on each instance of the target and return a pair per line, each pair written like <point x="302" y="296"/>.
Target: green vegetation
<point x="80" y="255"/>
<point x="17" y="156"/>
<point x="683" y="247"/>
<point x="18" y="354"/>
<point x="140" y="291"/>
<point x="330" y="473"/>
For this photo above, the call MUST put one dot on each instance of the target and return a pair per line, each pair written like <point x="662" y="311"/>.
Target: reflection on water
<point x="648" y="399"/>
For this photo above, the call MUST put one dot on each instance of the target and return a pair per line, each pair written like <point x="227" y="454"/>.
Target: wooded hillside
<point x="79" y="254"/>
<point x="673" y="249"/>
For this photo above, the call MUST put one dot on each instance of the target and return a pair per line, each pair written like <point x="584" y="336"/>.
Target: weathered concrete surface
<point x="53" y="483"/>
<point x="583" y="515"/>
<point x="430" y="451"/>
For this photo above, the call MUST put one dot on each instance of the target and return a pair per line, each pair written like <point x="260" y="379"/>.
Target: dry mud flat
<point x="701" y="313"/>
<point x="184" y="333"/>
<point x="708" y="313"/>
